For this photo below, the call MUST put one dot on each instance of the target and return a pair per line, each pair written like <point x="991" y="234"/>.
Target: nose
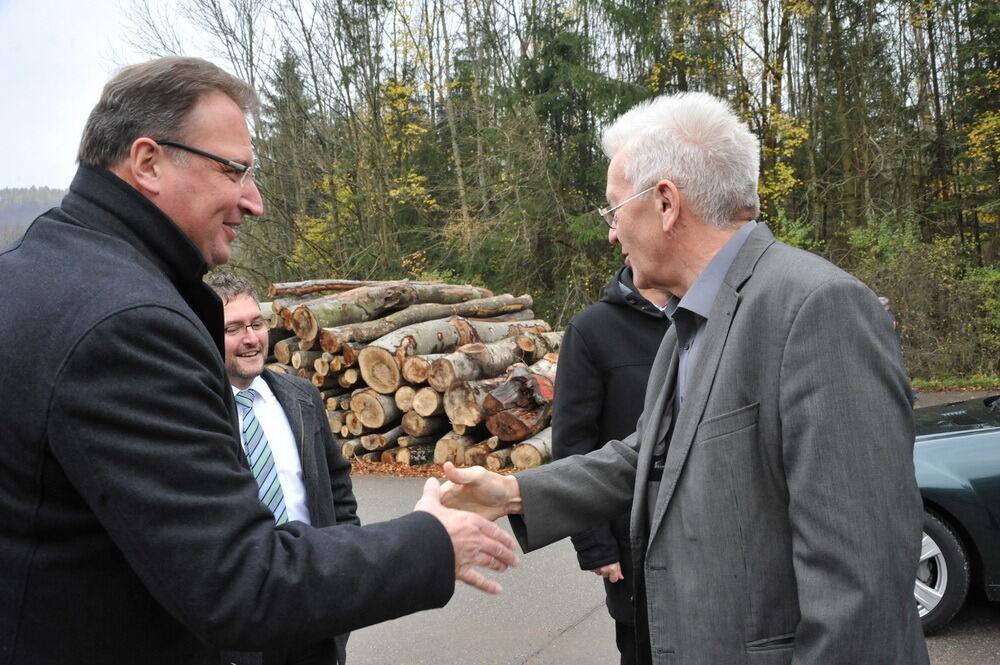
<point x="251" y="202"/>
<point x="613" y="236"/>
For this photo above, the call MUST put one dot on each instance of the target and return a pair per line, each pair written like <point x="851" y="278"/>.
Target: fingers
<point x="476" y="579"/>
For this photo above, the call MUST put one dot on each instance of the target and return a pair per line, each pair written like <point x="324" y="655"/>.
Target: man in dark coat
<point x="604" y="363"/>
<point x="130" y="525"/>
<point x="314" y="477"/>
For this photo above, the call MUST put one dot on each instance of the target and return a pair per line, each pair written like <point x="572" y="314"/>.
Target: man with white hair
<point x="775" y="515"/>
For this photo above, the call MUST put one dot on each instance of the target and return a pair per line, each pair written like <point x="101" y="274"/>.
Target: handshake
<point x="466" y="504"/>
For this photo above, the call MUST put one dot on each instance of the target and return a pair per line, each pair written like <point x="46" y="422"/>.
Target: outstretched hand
<point x="476" y="541"/>
<point x="483" y="492"/>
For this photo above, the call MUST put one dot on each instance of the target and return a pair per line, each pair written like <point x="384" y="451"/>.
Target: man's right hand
<point x="476" y="541"/>
<point x="480" y="491"/>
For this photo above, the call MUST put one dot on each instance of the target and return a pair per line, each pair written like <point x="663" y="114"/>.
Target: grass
<point x="976" y="382"/>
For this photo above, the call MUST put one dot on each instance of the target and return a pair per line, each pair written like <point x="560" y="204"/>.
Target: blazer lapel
<point x="706" y="368"/>
<point x="654" y="424"/>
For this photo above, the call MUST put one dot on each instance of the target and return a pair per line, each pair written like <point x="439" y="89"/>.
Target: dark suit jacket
<point x="327" y="479"/>
<point x="130" y="530"/>
<point x="787" y="523"/>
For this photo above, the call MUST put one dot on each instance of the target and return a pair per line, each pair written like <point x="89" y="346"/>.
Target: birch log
<point x="463" y="402"/>
<point x="379" y="361"/>
<point x="331" y="338"/>
<point x="374" y="409"/>
<point x="534" y="451"/>
<point x="416" y="455"/>
<point x="498" y="459"/>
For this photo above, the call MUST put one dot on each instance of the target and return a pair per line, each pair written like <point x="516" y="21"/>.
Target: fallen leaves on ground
<point x="362" y="468"/>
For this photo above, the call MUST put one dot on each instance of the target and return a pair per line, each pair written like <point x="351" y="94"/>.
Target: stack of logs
<point x="421" y="372"/>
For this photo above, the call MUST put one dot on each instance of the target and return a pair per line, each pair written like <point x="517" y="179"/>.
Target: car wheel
<point x="942" y="576"/>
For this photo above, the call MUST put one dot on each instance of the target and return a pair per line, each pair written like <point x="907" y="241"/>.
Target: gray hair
<point x="153" y="99"/>
<point x="227" y="286"/>
<point x="696" y="141"/>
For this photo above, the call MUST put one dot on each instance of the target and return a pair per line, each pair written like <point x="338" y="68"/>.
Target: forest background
<point x="459" y="139"/>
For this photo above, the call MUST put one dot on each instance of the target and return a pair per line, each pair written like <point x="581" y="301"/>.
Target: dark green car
<point x="957" y="460"/>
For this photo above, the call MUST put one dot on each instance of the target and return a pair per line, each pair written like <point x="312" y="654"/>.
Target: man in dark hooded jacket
<point x="604" y="363"/>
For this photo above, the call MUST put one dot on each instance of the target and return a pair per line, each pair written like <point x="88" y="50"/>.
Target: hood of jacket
<point x="622" y="292"/>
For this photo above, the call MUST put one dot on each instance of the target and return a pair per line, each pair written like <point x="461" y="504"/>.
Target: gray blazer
<point x="787" y="524"/>
<point x="327" y="479"/>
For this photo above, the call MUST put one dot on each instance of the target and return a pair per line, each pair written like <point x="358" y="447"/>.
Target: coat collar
<point x="101" y="201"/>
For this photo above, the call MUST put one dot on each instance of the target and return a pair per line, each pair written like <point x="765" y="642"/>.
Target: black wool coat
<point x="130" y="530"/>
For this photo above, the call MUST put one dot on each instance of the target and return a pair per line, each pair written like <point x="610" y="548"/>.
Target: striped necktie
<point x="261" y="461"/>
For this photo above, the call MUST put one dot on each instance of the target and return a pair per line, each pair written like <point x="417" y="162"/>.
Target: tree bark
<point x="451" y="448"/>
<point x="374" y="409"/>
<point x="463" y="402"/>
<point x="498" y="459"/>
<point x="416" y="455"/>
<point x="408" y="441"/>
<point x="534" y="451"/>
<point x="381" y="440"/>
<point x="479" y="360"/>
<point x="361" y="304"/>
<point x="282" y="368"/>
<point x="476" y="454"/>
<point x="284" y="349"/>
<point x="379" y="361"/>
<point x="321" y="285"/>
<point x="305" y="359"/>
<point x="418" y="425"/>
<point x="519" y="422"/>
<point x="332" y="337"/>
<point x="349" y="448"/>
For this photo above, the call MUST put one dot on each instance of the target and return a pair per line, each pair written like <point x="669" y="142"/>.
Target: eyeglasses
<point x="234" y="329"/>
<point x="607" y="214"/>
<point x="246" y="172"/>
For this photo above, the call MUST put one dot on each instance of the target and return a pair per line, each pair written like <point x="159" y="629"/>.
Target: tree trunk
<point x="522" y="388"/>
<point x="519" y="422"/>
<point x="418" y="425"/>
<point x="408" y="441"/>
<point x="336" y="420"/>
<point x="415" y="368"/>
<point x="320" y="285"/>
<point x="284" y="349"/>
<point x="451" y="448"/>
<point x="374" y="409"/>
<point x="381" y="440"/>
<point x="348" y="377"/>
<point x="416" y="455"/>
<point x="404" y="398"/>
<point x="282" y="368"/>
<point x="475" y="455"/>
<point x="428" y="402"/>
<point x="534" y="451"/>
<point x="479" y="360"/>
<point x="498" y="459"/>
<point x="361" y="304"/>
<point x="332" y="338"/>
<point x="390" y="456"/>
<point x="379" y="361"/>
<point x="349" y="448"/>
<point x="305" y="359"/>
<point x="463" y="402"/>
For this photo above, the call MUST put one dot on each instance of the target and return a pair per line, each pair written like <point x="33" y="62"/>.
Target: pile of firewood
<point x="421" y="372"/>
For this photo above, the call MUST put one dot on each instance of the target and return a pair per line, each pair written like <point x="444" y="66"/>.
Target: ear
<point x="668" y="201"/>
<point x="144" y="166"/>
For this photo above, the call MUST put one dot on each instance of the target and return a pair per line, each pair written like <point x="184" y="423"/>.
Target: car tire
<point x="942" y="576"/>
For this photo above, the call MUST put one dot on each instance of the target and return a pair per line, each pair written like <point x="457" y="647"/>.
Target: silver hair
<point x="153" y="99"/>
<point x="696" y="141"/>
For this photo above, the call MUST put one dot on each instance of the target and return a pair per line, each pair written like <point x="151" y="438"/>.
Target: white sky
<point x="55" y="56"/>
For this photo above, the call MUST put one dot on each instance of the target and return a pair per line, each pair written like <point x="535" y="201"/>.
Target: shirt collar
<point x="260" y="385"/>
<point x="701" y="296"/>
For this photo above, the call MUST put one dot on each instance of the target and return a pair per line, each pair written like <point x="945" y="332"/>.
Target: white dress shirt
<point x="283" y="448"/>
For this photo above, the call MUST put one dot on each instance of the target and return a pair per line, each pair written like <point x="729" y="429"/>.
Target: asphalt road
<point x="552" y="613"/>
